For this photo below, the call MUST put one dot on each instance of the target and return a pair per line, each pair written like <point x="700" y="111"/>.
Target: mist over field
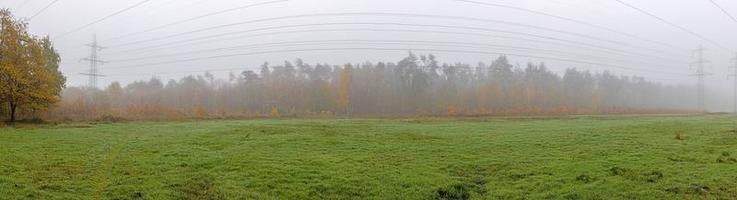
<point x="169" y="40"/>
<point x="368" y="99"/>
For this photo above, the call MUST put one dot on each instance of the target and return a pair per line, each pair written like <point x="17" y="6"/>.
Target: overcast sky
<point x="162" y="38"/>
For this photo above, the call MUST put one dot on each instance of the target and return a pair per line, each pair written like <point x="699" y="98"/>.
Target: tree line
<point x="415" y="85"/>
<point x="31" y="85"/>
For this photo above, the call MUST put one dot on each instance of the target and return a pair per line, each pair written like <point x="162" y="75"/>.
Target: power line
<point x="673" y="24"/>
<point x="395" y="49"/>
<point x="183" y="72"/>
<point x="567" y="19"/>
<point x="197" y="2"/>
<point x="196" y="18"/>
<point x="21" y="5"/>
<point x="210" y="37"/>
<point x="650" y="79"/>
<point x="578" y="45"/>
<point x="368" y="14"/>
<point x="145" y="10"/>
<point x="334" y="42"/>
<point x="723" y="10"/>
<point x="326" y="42"/>
<point x="42" y="9"/>
<point x="103" y="19"/>
<point x="176" y="44"/>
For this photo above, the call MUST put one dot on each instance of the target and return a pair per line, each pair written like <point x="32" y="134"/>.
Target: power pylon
<point x="94" y="60"/>
<point x="701" y="74"/>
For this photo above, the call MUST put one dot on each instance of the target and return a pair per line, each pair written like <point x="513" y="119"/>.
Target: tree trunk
<point x="12" y="112"/>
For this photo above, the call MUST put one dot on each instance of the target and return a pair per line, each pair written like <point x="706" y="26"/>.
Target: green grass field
<point x="587" y="157"/>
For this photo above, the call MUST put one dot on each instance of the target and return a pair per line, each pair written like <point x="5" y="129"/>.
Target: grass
<point x="586" y="157"/>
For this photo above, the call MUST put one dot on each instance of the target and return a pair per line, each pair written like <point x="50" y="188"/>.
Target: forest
<point x="418" y="85"/>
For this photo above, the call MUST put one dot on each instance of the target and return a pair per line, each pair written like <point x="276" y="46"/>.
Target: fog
<point x="171" y="39"/>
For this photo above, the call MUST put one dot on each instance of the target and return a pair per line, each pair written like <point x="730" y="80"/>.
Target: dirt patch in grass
<point x="681" y="159"/>
<point x="270" y="130"/>
<point x="726" y="157"/>
<point x="584" y="178"/>
<point x="646" y="175"/>
<point x="680" y="136"/>
<point x="691" y="189"/>
<point x="456" y="191"/>
<point x="200" y="187"/>
<point x="469" y="181"/>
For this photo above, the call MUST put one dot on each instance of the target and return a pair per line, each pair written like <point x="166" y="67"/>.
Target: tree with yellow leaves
<point x="344" y="89"/>
<point x="274" y="112"/>
<point x="29" y="68"/>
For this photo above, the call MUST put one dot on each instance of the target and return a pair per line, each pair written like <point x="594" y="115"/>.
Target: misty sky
<point x="631" y="43"/>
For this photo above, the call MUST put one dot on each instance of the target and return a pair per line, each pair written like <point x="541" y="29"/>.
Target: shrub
<point x="618" y="171"/>
<point x="107" y="118"/>
<point x="275" y="112"/>
<point x="34" y="120"/>
<point x="584" y="178"/>
<point x="458" y="191"/>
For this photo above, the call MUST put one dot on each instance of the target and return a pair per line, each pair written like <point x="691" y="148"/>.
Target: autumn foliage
<point x="30" y="81"/>
<point x="416" y="85"/>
